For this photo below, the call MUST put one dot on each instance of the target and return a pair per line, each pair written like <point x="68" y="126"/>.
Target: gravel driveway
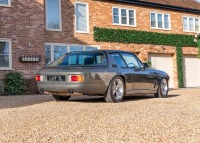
<point x="38" y="118"/>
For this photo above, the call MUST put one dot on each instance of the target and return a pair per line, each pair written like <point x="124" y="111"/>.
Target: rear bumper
<point x="71" y="89"/>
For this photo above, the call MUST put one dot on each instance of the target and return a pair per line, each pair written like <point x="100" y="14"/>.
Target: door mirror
<point x="145" y="65"/>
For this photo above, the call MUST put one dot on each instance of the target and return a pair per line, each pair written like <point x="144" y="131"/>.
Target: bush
<point x="14" y="83"/>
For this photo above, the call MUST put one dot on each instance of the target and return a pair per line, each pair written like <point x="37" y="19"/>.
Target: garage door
<point x="164" y="63"/>
<point x="191" y="71"/>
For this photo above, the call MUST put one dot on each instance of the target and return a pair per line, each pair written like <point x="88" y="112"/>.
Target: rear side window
<point x="119" y="60"/>
<point x="82" y="59"/>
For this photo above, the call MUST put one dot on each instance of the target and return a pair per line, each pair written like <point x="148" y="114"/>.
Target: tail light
<point x="39" y="78"/>
<point x="76" y="78"/>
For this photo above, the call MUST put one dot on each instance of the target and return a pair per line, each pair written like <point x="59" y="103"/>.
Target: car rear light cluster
<point x="76" y="78"/>
<point x="39" y="78"/>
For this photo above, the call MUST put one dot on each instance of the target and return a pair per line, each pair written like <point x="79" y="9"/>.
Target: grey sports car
<point x="109" y="73"/>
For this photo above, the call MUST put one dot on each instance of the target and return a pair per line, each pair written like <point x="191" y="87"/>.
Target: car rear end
<point x="82" y="73"/>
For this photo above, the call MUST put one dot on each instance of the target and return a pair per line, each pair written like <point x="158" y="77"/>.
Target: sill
<point x="161" y="28"/>
<point x="191" y="32"/>
<point x="5" y="6"/>
<point x="6" y="69"/>
<point x="124" y="25"/>
<point x="55" y="30"/>
<point x="83" y="32"/>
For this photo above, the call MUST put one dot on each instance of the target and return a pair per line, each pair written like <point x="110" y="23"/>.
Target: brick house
<point x="50" y="28"/>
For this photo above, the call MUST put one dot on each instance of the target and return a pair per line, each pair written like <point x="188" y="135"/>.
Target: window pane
<point x="185" y="26"/>
<point x="4" y="48"/>
<point x="47" y="54"/>
<point x="116" y="11"/>
<point x="118" y="60"/>
<point x="91" y="48"/>
<point x="166" y="18"/>
<point x="130" y="60"/>
<point x="153" y="20"/>
<point x="131" y="17"/>
<point x="116" y="19"/>
<point x="4" y="2"/>
<point x="197" y="25"/>
<point x="53" y="14"/>
<point x="81" y="17"/>
<point x="4" y="61"/>
<point x="191" y="26"/>
<point x="59" y="51"/>
<point x="123" y="16"/>
<point x="131" y="13"/>
<point x="160" y="21"/>
<point x="76" y="48"/>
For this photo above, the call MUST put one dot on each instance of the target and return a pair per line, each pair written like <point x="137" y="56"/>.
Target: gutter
<point x="157" y="5"/>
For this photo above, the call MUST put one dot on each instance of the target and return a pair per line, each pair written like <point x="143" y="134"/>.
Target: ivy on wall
<point x="142" y="37"/>
<point x="179" y="57"/>
<point x="154" y="38"/>
<point x="198" y="44"/>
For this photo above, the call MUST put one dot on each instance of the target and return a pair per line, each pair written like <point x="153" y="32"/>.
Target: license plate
<point x="55" y="78"/>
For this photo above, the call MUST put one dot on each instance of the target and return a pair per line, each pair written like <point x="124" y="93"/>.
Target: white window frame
<point x="6" y="5"/>
<point x="88" y="21"/>
<point x="163" y="20"/>
<point x="188" y="24"/>
<point x="127" y="16"/>
<point x="68" y="47"/>
<point x="10" y="54"/>
<point x="60" y="17"/>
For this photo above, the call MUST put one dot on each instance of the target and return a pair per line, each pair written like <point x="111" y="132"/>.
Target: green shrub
<point x="14" y="83"/>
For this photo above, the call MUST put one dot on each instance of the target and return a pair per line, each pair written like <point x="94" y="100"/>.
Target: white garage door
<point x="164" y="63"/>
<point x="191" y="71"/>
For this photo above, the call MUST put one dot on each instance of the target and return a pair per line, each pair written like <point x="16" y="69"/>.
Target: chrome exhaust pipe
<point x="41" y="91"/>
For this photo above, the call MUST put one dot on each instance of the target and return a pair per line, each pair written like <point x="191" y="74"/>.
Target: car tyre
<point x="163" y="89"/>
<point x="115" y="91"/>
<point x="60" y="98"/>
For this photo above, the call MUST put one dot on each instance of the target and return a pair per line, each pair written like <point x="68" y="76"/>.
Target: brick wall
<point x="23" y="23"/>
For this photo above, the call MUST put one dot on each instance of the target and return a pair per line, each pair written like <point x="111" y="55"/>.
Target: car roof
<point x="107" y="51"/>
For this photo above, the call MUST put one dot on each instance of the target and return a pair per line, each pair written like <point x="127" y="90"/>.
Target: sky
<point x="198" y="0"/>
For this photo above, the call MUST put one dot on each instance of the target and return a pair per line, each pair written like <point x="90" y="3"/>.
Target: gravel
<point x="38" y="118"/>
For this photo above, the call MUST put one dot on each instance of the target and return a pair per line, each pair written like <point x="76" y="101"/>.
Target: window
<point x="118" y="60"/>
<point x="53" y="15"/>
<point x="54" y="51"/>
<point x="122" y="16"/>
<point x="82" y="17"/>
<point x="82" y="59"/>
<point x="191" y="24"/>
<point x="5" y="2"/>
<point x="5" y="55"/>
<point x="160" y="21"/>
<point x="131" y="60"/>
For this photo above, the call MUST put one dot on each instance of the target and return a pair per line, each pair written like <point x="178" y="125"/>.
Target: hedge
<point x="142" y="37"/>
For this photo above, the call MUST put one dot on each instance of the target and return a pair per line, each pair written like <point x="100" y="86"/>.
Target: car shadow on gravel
<point x="23" y="100"/>
<point x="96" y="99"/>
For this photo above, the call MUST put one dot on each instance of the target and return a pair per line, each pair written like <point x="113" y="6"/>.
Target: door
<point x="164" y="63"/>
<point x="141" y="79"/>
<point x="191" y="66"/>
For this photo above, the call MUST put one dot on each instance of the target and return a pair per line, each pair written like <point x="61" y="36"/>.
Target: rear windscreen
<point x="82" y="59"/>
